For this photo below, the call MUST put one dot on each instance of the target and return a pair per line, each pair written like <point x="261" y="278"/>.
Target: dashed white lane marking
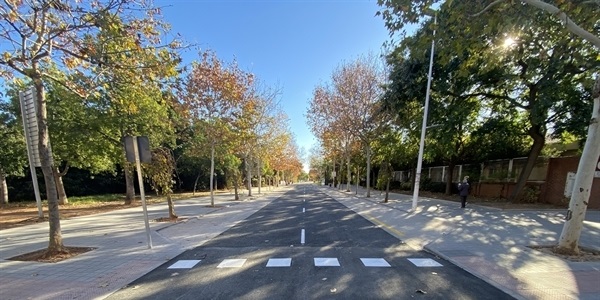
<point x="184" y="264"/>
<point x="326" y="262"/>
<point x="279" y="262"/>
<point x="375" y="262"/>
<point x="232" y="263"/>
<point x="424" y="262"/>
<point x="303" y="209"/>
<point x="302" y="237"/>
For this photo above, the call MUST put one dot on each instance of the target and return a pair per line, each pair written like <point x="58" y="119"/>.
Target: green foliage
<point x="434" y="187"/>
<point x="406" y="186"/>
<point x="452" y="108"/>
<point x="13" y="155"/>
<point x="161" y="171"/>
<point x="530" y="194"/>
<point x="539" y="82"/>
<point x="78" y="132"/>
<point x="498" y="138"/>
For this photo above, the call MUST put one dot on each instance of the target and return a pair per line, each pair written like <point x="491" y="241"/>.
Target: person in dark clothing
<point x="463" y="191"/>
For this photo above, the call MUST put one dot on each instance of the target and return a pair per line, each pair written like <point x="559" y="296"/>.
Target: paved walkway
<point x="488" y="243"/>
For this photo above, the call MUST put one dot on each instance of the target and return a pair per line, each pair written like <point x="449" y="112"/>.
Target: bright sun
<point x="509" y="42"/>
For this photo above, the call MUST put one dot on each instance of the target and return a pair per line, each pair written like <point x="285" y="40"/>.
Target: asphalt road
<point x="275" y="264"/>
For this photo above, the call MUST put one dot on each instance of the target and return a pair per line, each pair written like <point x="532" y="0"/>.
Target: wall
<point x="549" y="177"/>
<point x="504" y="189"/>
<point x="556" y="178"/>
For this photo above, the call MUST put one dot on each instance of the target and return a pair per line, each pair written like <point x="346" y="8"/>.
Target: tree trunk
<point x="374" y="179"/>
<point x="387" y="190"/>
<point x="236" y="182"/>
<point x="172" y="214"/>
<point x="129" y="184"/>
<point x="449" y="178"/>
<point x="349" y="173"/>
<point x="341" y="176"/>
<point x="248" y="177"/>
<point x="55" y="245"/>
<point x="334" y="174"/>
<point x="60" y="187"/>
<point x="413" y="177"/>
<point x="3" y="189"/>
<point x="212" y="174"/>
<point x="538" y="143"/>
<point x="196" y="184"/>
<point x="571" y="232"/>
<point x="357" y="179"/>
<point x="368" y="171"/>
<point x="259" y="171"/>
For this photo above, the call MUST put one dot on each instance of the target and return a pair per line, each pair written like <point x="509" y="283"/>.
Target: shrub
<point x="530" y="194"/>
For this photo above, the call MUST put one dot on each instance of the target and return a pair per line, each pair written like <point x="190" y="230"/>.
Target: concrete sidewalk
<point x="489" y="243"/>
<point x="121" y="253"/>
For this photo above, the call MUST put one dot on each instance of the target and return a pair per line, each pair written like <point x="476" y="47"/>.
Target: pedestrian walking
<point x="463" y="191"/>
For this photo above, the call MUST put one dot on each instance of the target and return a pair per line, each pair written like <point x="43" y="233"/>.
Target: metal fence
<point x="503" y="170"/>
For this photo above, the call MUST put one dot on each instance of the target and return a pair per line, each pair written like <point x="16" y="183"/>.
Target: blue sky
<point x="291" y="44"/>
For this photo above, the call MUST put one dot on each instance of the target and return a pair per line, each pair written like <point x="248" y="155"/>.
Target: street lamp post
<point x="424" y="125"/>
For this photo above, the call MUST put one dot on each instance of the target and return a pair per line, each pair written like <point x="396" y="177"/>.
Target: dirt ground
<point x="26" y="214"/>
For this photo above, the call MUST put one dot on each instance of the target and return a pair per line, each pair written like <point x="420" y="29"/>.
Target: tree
<point x="317" y="167"/>
<point x="453" y="110"/>
<point x="398" y="14"/>
<point x="319" y="118"/>
<point x="136" y="99"/>
<point x="498" y="138"/>
<point x="76" y="143"/>
<point x="42" y="32"/>
<point x="160" y="173"/>
<point x="214" y="94"/>
<point x="358" y="85"/>
<point x="349" y="106"/>
<point x="260" y="121"/>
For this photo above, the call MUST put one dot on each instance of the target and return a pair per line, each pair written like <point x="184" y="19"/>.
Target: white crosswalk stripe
<point x="279" y="262"/>
<point x="375" y="262"/>
<point x="326" y="262"/>
<point x="231" y="263"/>
<point x="318" y="262"/>
<point x="184" y="264"/>
<point x="425" y="262"/>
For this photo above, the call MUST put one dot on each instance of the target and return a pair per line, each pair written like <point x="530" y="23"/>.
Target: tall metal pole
<point x="424" y="125"/>
<point x="28" y="113"/>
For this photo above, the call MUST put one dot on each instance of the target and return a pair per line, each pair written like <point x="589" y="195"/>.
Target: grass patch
<point x="96" y="199"/>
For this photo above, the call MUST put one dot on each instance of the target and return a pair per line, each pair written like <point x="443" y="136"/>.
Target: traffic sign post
<point x="138" y="149"/>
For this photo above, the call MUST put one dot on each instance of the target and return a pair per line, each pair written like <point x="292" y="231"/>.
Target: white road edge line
<point x="302" y="237"/>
